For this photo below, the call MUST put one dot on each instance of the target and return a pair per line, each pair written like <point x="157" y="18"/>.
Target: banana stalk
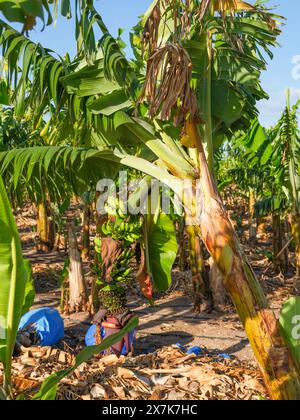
<point x="46" y="227"/>
<point x="197" y="268"/>
<point x="295" y="224"/>
<point x="280" y="372"/>
<point x="206" y="106"/>
<point x="42" y="223"/>
<point x="252" y="227"/>
<point x="77" y="285"/>
<point x="86" y="242"/>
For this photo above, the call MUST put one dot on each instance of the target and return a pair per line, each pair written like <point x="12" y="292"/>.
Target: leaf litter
<point x="166" y="374"/>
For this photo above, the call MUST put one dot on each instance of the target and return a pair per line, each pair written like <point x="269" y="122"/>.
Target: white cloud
<point x="295" y="94"/>
<point x="270" y="110"/>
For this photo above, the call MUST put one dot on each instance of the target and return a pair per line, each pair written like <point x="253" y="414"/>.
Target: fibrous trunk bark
<point x="46" y="228"/>
<point x="252" y="224"/>
<point x="86" y="219"/>
<point x="279" y="369"/>
<point x="200" y="286"/>
<point x="218" y="291"/>
<point x="77" y="286"/>
<point x="295" y="224"/>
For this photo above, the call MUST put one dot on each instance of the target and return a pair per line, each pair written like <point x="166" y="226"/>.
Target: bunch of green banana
<point x="126" y="256"/>
<point x="120" y="275"/>
<point x="123" y="228"/>
<point x="122" y="271"/>
<point x="128" y="230"/>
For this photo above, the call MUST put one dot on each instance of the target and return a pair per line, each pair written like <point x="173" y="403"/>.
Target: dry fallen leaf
<point x="165" y="374"/>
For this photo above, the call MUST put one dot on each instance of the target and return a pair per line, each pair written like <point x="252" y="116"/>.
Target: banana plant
<point x="218" y="49"/>
<point x="16" y="293"/>
<point x="242" y="177"/>
<point x="277" y="152"/>
<point x="16" y="298"/>
<point x="170" y="73"/>
<point x="14" y="132"/>
<point x="286" y="159"/>
<point x="148" y="230"/>
<point x="28" y="13"/>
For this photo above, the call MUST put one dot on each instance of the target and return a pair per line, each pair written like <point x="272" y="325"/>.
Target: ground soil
<point x="172" y="319"/>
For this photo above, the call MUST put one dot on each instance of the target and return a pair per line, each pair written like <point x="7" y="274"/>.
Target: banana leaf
<point x="14" y="277"/>
<point x="290" y="325"/>
<point x="161" y="248"/>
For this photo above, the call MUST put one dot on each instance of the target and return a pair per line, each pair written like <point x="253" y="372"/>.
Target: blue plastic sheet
<point x="47" y="323"/>
<point x="192" y="350"/>
<point x="90" y="339"/>
<point x="195" y="350"/>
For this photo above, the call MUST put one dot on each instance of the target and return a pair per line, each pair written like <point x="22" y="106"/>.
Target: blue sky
<point x="283" y="72"/>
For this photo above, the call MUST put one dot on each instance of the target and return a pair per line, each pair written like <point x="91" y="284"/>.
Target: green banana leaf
<point x="4" y="100"/>
<point x="49" y="387"/>
<point x="161" y="248"/>
<point x="14" y="277"/>
<point x="290" y="325"/>
<point x="228" y="104"/>
<point x="19" y="11"/>
<point x="29" y="289"/>
<point x="111" y="103"/>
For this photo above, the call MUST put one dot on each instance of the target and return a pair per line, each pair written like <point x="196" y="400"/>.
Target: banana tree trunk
<point x="285" y="239"/>
<point x="295" y="224"/>
<point x="198" y="270"/>
<point x="77" y="286"/>
<point x="252" y="225"/>
<point x="278" y="234"/>
<point x="218" y="291"/>
<point x="280" y="372"/>
<point x="181" y="241"/>
<point x="46" y="228"/>
<point x="85" y="253"/>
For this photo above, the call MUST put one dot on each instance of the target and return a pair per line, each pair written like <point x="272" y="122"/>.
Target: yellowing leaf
<point x="187" y="141"/>
<point x="231" y="5"/>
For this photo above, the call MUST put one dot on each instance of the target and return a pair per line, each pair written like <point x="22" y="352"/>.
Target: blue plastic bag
<point x="196" y="350"/>
<point x="47" y="323"/>
<point x="90" y="338"/>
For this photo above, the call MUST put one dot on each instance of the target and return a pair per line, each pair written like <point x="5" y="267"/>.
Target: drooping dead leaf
<point x="110" y="252"/>
<point x="167" y="87"/>
<point x="144" y="278"/>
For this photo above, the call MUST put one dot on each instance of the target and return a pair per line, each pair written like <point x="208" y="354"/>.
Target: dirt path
<point x="170" y="321"/>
